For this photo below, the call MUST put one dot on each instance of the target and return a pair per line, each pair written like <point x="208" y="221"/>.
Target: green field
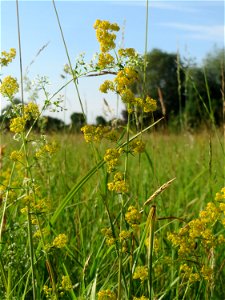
<point x="92" y="263"/>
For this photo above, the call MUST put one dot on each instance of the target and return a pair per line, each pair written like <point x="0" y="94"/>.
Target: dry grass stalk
<point x="162" y="102"/>
<point x="159" y="191"/>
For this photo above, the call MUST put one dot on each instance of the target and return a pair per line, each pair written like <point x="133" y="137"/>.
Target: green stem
<point x="151" y="220"/>
<point x="9" y="284"/>
<point x="120" y="255"/>
<point x="31" y="249"/>
<point x="146" y="49"/>
<point x="69" y="61"/>
<point x="3" y="274"/>
<point x="20" y="53"/>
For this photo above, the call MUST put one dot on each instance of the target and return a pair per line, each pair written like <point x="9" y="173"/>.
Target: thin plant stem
<point x="120" y="254"/>
<point x="151" y="221"/>
<point x="69" y="61"/>
<point x="9" y="283"/>
<point x="146" y="49"/>
<point x="3" y="273"/>
<point x="31" y="250"/>
<point x="179" y="89"/>
<point x="20" y="52"/>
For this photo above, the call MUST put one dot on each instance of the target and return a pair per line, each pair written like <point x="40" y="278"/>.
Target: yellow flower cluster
<point x="125" y="78"/>
<point x="200" y="228"/>
<point x="93" y="133"/>
<point x="106" y="86"/>
<point x="16" y="156"/>
<point x="7" y="57"/>
<point x="105" y="60"/>
<point x="107" y="232"/>
<point x="127" y="75"/>
<point x="38" y="205"/>
<point x="141" y="272"/>
<point x="47" y="291"/>
<point x="187" y="273"/>
<point x="199" y="237"/>
<point x="137" y="146"/>
<point x="133" y="216"/>
<point x="49" y="148"/>
<point x="118" y="185"/>
<point x="17" y="125"/>
<point x="42" y="232"/>
<point x="111" y="158"/>
<point x="122" y="83"/>
<point x="66" y="284"/>
<point x="127" y="52"/>
<point x="149" y="105"/>
<point x="207" y="273"/>
<point x="31" y="110"/>
<point x="9" y="87"/>
<point x="140" y="298"/>
<point x="60" y="241"/>
<point x="105" y="35"/>
<point x="106" y="295"/>
<point x="124" y="235"/>
<point x="221" y="195"/>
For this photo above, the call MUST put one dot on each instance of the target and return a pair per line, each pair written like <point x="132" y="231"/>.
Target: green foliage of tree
<point x="77" y="121"/>
<point x="204" y="102"/>
<point x="100" y="120"/>
<point x="161" y="73"/>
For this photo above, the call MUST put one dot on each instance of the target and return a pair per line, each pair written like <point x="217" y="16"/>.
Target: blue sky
<point x="194" y="27"/>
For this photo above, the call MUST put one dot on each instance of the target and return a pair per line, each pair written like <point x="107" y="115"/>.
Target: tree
<point x="203" y="90"/>
<point x="77" y="120"/>
<point x="101" y="120"/>
<point x="161" y="74"/>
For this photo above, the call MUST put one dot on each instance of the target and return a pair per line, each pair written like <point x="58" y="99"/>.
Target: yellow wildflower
<point x="140" y="298"/>
<point x="17" y="125"/>
<point x="132" y="216"/>
<point x="124" y="235"/>
<point x="107" y="232"/>
<point x="92" y="133"/>
<point x="106" y="86"/>
<point x="7" y="57"/>
<point x="104" y="34"/>
<point x="118" y="185"/>
<point x="60" y="241"/>
<point x="150" y="105"/>
<point x="141" y="272"/>
<point x="16" y="156"/>
<point x="106" y="295"/>
<point x="105" y="60"/>
<point x="66" y="283"/>
<point x="207" y="273"/>
<point x="221" y="195"/>
<point x="130" y="52"/>
<point x="127" y="96"/>
<point x="137" y="146"/>
<point x="31" y="110"/>
<point x="111" y="158"/>
<point x="125" y="78"/>
<point x="9" y="87"/>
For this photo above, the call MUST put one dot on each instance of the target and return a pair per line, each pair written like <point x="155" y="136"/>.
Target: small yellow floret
<point x="60" y="241"/>
<point x="9" y="87"/>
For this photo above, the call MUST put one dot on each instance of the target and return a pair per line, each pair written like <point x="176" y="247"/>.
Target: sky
<point x="193" y="27"/>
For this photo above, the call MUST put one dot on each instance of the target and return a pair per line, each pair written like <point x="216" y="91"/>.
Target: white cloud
<point x="205" y="32"/>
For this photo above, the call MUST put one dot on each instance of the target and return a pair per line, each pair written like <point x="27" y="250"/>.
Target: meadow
<point x="112" y="212"/>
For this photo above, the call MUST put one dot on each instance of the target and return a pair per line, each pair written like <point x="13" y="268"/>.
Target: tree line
<point x="188" y="95"/>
